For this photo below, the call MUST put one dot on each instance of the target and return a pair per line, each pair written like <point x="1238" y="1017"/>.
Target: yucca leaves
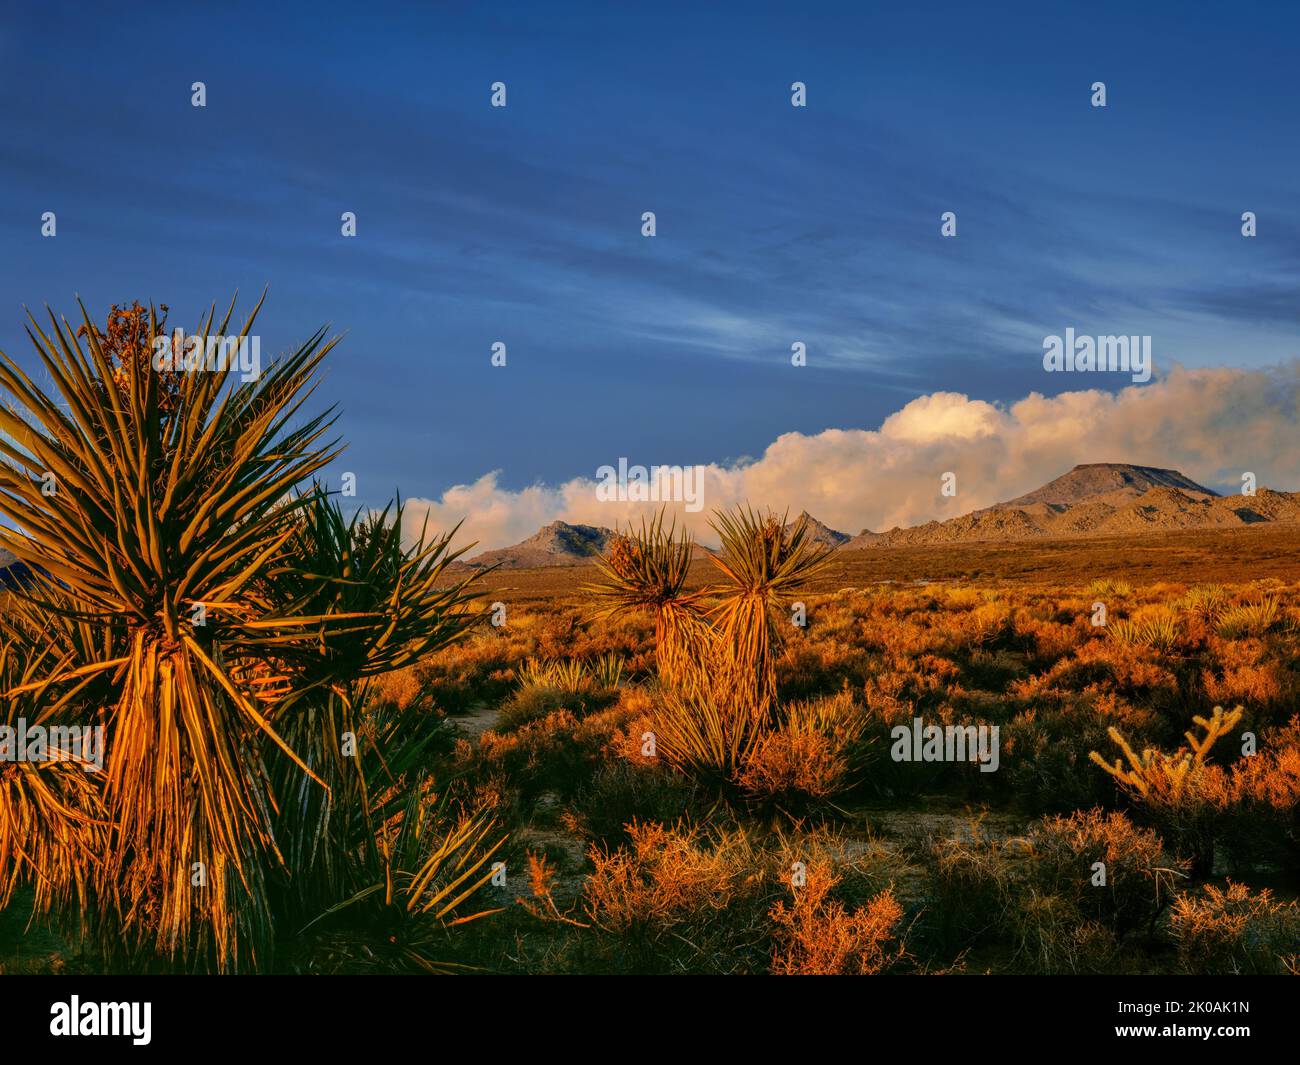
<point x="766" y="561"/>
<point x="214" y="618"/>
<point x="432" y="864"/>
<point x="647" y="568"/>
<point x="52" y="820"/>
<point x="718" y="668"/>
<point x="369" y="605"/>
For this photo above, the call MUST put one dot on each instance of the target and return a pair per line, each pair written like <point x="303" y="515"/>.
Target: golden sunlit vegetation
<point x="192" y="591"/>
<point x="817" y="852"/>
<point x="654" y="768"/>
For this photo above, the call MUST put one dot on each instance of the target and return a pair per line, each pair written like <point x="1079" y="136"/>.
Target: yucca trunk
<point x="186" y="792"/>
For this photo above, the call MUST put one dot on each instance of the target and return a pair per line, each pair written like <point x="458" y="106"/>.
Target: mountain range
<point x="1098" y="499"/>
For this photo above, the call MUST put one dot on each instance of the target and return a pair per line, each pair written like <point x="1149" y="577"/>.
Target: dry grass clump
<point x="1234" y="930"/>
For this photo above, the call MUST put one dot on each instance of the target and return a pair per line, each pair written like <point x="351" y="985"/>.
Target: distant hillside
<point x="557" y="544"/>
<point x="820" y="533"/>
<point x="1099" y="499"/>
<point x="1109" y="479"/>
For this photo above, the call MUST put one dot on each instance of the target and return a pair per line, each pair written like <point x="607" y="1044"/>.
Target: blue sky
<point x="775" y="224"/>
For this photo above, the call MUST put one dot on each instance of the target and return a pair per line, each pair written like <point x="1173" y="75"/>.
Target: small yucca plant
<point x="1160" y="631"/>
<point x="431" y="863"/>
<point x="572" y="675"/>
<point x="1205" y="601"/>
<point x="1109" y="586"/>
<point x="1249" y="619"/>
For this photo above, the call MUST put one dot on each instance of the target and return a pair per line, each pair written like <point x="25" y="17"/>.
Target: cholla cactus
<point x="1154" y="771"/>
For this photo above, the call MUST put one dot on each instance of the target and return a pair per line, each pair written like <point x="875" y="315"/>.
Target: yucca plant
<point x="1160" y="631"/>
<point x="718" y="668"/>
<point x="1249" y="619"/>
<point x="383" y="606"/>
<point x="704" y="730"/>
<point x="572" y="675"/>
<point x="766" y="560"/>
<point x="1205" y="601"/>
<point x="431" y="863"/>
<point x="647" y="568"/>
<point x="217" y="615"/>
<point x="52" y="819"/>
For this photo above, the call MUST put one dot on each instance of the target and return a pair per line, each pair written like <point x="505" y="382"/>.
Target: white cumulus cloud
<point x="1211" y="424"/>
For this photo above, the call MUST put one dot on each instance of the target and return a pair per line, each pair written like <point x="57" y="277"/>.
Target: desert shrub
<point x="532" y="704"/>
<point x="817" y="935"/>
<point x="968" y="879"/>
<point x="622" y="794"/>
<point x="1140" y="876"/>
<point x="681" y="900"/>
<point x="816" y="753"/>
<point x="721" y="899"/>
<point x="1255" y="685"/>
<point x="1259" y="803"/>
<point x="1051" y="936"/>
<point x="550" y="753"/>
<point x="1233" y="930"/>
<point x="1046" y="754"/>
<point x="983" y="626"/>
<point x="1035" y="894"/>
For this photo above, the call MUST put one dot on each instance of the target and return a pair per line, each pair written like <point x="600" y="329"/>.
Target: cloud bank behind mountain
<point x="1214" y="424"/>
